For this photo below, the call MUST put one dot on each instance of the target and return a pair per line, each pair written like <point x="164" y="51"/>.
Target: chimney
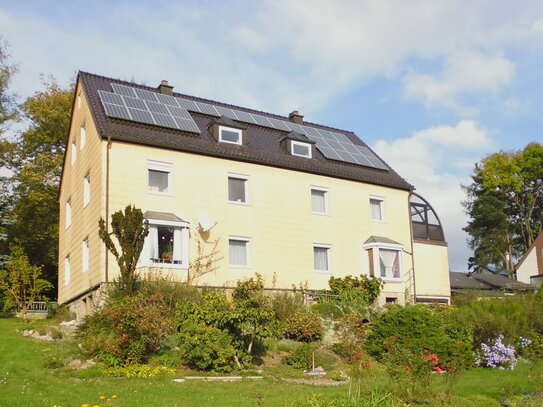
<point x="165" y="88"/>
<point x="296" y="117"/>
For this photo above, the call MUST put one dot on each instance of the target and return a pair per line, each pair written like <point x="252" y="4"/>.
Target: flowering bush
<point x="497" y="356"/>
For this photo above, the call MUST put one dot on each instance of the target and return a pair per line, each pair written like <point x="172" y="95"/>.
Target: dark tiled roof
<point x="225" y="121"/>
<point x="166" y="216"/>
<point x="485" y="280"/>
<point x="293" y="135"/>
<point x="464" y="281"/>
<point x="262" y="147"/>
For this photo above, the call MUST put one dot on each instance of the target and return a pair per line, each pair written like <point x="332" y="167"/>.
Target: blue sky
<point x="433" y="86"/>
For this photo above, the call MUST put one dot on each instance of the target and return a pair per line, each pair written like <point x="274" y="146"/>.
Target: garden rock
<point x="318" y="371"/>
<point x="77" y="364"/>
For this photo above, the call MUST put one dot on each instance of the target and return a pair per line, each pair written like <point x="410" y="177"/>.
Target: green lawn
<point x="24" y="381"/>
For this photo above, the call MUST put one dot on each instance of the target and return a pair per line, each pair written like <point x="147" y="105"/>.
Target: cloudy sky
<point x="433" y="86"/>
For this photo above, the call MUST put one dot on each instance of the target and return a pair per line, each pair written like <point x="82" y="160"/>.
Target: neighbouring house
<point x="530" y="266"/>
<point x="294" y="201"/>
<point x="486" y="283"/>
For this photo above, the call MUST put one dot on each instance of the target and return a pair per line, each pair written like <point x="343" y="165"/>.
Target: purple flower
<point x="497" y="356"/>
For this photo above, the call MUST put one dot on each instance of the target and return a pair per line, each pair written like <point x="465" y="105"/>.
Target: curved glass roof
<point x="426" y="223"/>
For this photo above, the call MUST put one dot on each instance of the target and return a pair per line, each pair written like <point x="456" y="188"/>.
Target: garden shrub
<point x="247" y="320"/>
<point x="206" y="348"/>
<point x="419" y="328"/>
<point x="138" y="371"/>
<point x="286" y="304"/>
<point x="302" y="357"/>
<point x="127" y="330"/>
<point x="512" y="317"/>
<point x="364" y="288"/>
<point x="351" y="334"/>
<point x="303" y="326"/>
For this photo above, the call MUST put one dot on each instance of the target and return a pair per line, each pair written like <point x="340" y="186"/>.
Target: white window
<point x="85" y="255"/>
<point x="67" y="270"/>
<point x="385" y="260"/>
<point x="74" y="151"/>
<point x="238" y="249"/>
<point x="159" y="177"/>
<point x="166" y="245"/>
<point x="389" y="263"/>
<point x="68" y="210"/>
<point x="377" y="208"/>
<point x="230" y="135"/>
<point x="319" y="201"/>
<point x="237" y="189"/>
<point x="86" y="190"/>
<point x="82" y="137"/>
<point x="300" y="149"/>
<point x="321" y="258"/>
<point x="79" y="100"/>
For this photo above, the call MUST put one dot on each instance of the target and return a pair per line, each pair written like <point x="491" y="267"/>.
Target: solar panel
<point x="245" y="117"/>
<point x="168" y="111"/>
<point x="262" y="121"/>
<point x="166" y="99"/>
<point x="278" y="124"/>
<point x="164" y="120"/>
<point x="224" y="111"/>
<point x="187" y="104"/>
<point x="120" y="112"/>
<point x="158" y="108"/>
<point x="134" y="103"/>
<point x="187" y="125"/>
<point x="207" y="109"/>
<point x="142" y="116"/>
<point x="112" y="98"/>
<point x="123" y="90"/>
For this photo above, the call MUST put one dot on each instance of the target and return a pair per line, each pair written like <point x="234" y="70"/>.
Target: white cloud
<point x="463" y="73"/>
<point x="427" y="159"/>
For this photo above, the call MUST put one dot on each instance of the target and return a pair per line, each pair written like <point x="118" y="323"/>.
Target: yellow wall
<point x="84" y="220"/>
<point x="432" y="270"/>
<point x="277" y="219"/>
<point x="528" y="268"/>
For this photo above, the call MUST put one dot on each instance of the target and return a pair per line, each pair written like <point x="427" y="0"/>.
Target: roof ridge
<point x="223" y="104"/>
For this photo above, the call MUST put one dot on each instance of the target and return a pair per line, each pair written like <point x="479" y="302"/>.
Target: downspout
<point x="412" y="247"/>
<point x="107" y="207"/>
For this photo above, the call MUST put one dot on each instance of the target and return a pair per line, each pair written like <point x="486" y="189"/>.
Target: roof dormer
<point x="226" y="130"/>
<point x="297" y="144"/>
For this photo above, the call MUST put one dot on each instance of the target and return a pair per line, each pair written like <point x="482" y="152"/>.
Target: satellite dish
<point x="205" y="223"/>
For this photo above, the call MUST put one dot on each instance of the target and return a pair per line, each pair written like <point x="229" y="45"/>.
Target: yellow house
<point x="294" y="201"/>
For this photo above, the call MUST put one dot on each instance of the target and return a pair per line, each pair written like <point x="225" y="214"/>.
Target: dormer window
<point x="230" y="135"/>
<point x="300" y="149"/>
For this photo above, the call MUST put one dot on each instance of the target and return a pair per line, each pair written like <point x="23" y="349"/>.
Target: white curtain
<point x="318" y="201"/>
<point x="238" y="252"/>
<point x="320" y="258"/>
<point x="388" y="258"/>
<point x="153" y="240"/>
<point x="375" y="205"/>
<point x="177" y="246"/>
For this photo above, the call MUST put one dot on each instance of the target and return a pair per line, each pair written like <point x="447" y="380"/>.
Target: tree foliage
<point x="130" y="229"/>
<point x="505" y="205"/>
<point x="21" y="281"/>
<point x="34" y="159"/>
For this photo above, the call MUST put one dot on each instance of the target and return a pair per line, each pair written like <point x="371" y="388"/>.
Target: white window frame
<point x="238" y="131"/>
<point x="82" y="137"/>
<point x="73" y="152"/>
<point x="67" y="270"/>
<point x="161" y="167"/>
<point x="382" y="205"/>
<point x="86" y="190"/>
<point x="181" y="231"/>
<point x="247" y="251"/>
<point x="326" y="206"/>
<point x="300" y="143"/>
<point x="85" y="255"/>
<point x="245" y="184"/>
<point x="376" y="259"/>
<point x="79" y="100"/>
<point x="68" y="213"/>
<point x="328" y="257"/>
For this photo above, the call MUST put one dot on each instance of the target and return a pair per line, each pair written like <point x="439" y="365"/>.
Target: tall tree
<point x="505" y="204"/>
<point x="35" y="158"/>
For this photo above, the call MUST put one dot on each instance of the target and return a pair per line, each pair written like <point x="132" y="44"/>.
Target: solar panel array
<point x="167" y="111"/>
